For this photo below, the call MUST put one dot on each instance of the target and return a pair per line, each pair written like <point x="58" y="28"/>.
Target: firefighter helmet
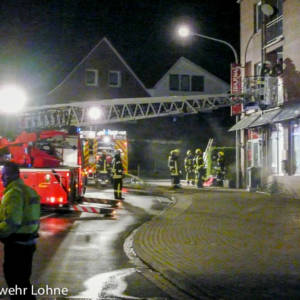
<point x="176" y="151"/>
<point x="198" y="151"/>
<point x="221" y="153"/>
<point x="189" y="152"/>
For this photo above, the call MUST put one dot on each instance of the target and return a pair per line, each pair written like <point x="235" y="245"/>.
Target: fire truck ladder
<point x="120" y="110"/>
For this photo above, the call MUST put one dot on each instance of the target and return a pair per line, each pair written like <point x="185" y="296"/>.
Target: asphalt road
<point x="83" y="253"/>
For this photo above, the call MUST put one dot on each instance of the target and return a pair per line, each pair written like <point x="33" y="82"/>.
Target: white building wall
<point x="212" y="84"/>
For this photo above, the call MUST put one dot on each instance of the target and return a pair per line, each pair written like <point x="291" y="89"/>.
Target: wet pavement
<point x="84" y="252"/>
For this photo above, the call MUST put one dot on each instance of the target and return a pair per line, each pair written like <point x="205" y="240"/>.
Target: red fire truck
<point x="50" y="162"/>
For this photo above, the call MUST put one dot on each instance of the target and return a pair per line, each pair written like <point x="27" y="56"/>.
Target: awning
<point x="288" y="113"/>
<point x="245" y="122"/>
<point x="266" y="118"/>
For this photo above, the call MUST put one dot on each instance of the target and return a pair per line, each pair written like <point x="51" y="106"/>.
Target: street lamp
<point x="184" y="32"/>
<point x="12" y="99"/>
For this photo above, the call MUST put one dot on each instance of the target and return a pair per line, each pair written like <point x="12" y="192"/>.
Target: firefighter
<point x="117" y="175"/>
<point x="103" y="167"/>
<point x="220" y="169"/>
<point x="189" y="167"/>
<point x="19" y="224"/>
<point x="174" y="168"/>
<point x="199" y="168"/>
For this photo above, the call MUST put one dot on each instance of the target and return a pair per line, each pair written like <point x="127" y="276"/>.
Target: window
<point x="296" y="146"/>
<point x="174" y="82"/>
<point x="277" y="149"/>
<point x="91" y="77"/>
<point x="114" y="78"/>
<point x="197" y="83"/>
<point x="186" y="83"/>
<point x="254" y="153"/>
<point x="257" y="17"/>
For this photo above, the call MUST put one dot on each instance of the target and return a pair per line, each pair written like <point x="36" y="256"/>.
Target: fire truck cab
<point x="50" y="162"/>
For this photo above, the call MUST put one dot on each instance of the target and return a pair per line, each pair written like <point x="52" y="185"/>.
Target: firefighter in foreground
<point x="174" y="168"/>
<point x="199" y="168"/>
<point x="19" y="224"/>
<point x="189" y="167"/>
<point x="117" y="175"/>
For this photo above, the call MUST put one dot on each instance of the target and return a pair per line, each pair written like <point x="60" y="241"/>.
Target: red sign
<point x="236" y="87"/>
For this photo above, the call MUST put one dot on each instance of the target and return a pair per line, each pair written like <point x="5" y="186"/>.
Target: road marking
<point x="47" y="216"/>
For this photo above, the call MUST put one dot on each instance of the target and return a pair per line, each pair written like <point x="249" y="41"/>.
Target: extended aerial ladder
<point x="120" y="110"/>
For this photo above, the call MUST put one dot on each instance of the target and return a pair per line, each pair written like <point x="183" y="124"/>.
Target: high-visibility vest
<point x="189" y="163"/>
<point x="173" y="165"/>
<point x="199" y="163"/>
<point x="117" y="169"/>
<point x="19" y="210"/>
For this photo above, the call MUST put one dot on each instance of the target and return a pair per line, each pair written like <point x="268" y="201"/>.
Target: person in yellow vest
<point x="174" y="168"/>
<point x="189" y="167"/>
<point x="220" y="169"/>
<point x="103" y="168"/>
<point x="19" y="225"/>
<point x="117" y="175"/>
<point x="199" y="168"/>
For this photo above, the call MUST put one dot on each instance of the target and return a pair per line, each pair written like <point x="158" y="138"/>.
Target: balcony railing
<point x="273" y="30"/>
<point x="265" y="91"/>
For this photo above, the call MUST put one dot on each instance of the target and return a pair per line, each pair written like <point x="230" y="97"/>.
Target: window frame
<point x="178" y="83"/>
<point x="119" y="84"/>
<point x="95" y="71"/>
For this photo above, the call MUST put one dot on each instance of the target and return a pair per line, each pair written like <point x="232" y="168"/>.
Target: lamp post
<point x="184" y="31"/>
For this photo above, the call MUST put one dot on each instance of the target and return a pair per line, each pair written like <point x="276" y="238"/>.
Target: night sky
<point x="41" y="41"/>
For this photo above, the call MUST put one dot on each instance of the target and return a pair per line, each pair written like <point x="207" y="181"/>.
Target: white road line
<point x="47" y="216"/>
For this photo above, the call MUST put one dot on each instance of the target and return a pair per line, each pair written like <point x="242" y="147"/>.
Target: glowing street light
<point x="94" y="113"/>
<point x="184" y="32"/>
<point x="12" y="99"/>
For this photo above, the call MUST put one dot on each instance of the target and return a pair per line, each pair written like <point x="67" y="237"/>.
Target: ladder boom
<point x="120" y="110"/>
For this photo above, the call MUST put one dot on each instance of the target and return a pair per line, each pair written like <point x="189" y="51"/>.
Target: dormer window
<point x="91" y="77"/>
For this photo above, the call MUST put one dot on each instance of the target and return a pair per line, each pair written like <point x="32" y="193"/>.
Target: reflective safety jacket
<point x="19" y="211"/>
<point x="103" y="165"/>
<point x="173" y="165"/>
<point x="117" y="169"/>
<point x="189" y="163"/>
<point x="199" y="163"/>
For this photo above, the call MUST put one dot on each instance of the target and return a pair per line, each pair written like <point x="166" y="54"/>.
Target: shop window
<point x="277" y="149"/>
<point x="296" y="146"/>
<point x="91" y="77"/>
<point x="254" y="153"/>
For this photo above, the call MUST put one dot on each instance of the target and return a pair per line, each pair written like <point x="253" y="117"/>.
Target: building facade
<point x="187" y="78"/>
<point x="101" y="74"/>
<point x="270" y="122"/>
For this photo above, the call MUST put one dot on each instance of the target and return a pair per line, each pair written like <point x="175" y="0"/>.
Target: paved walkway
<point x="226" y="245"/>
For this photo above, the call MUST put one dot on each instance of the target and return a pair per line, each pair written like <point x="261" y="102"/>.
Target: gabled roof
<point x="103" y="40"/>
<point x="182" y="59"/>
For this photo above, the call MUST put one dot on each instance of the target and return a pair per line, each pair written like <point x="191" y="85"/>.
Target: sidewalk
<point x="225" y="245"/>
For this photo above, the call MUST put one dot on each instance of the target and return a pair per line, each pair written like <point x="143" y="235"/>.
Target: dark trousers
<point x="175" y="180"/>
<point x="17" y="268"/>
<point x="118" y="184"/>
